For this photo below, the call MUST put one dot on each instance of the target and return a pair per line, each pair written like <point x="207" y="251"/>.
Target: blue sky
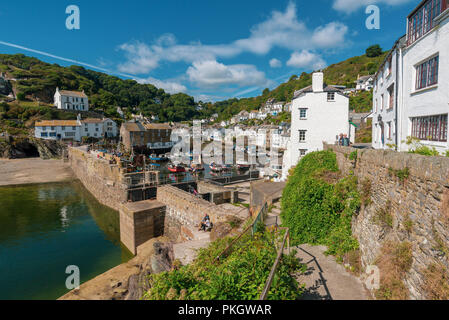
<point x="209" y="49"/>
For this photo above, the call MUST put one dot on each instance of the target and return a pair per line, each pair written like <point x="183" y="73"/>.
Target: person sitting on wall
<point x="206" y="225"/>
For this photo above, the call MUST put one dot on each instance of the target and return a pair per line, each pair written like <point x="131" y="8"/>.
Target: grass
<point x="436" y="282"/>
<point x="383" y="216"/>
<point x="394" y="261"/>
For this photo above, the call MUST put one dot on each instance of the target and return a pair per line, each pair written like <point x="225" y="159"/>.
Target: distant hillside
<point x="342" y="73"/>
<point x="37" y="81"/>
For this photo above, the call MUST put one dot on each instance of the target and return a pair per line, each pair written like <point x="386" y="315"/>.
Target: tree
<point x="265" y="91"/>
<point x="374" y="51"/>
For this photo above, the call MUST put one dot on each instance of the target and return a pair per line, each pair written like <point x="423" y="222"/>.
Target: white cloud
<point x="169" y="86"/>
<point x="275" y="63"/>
<point x="213" y="74"/>
<point x="306" y="59"/>
<point x="281" y="29"/>
<point x="331" y="35"/>
<point x="350" y="6"/>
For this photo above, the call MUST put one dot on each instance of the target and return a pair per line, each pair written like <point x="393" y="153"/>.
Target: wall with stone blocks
<point x="103" y="180"/>
<point x="420" y="201"/>
<point x="140" y="222"/>
<point x="184" y="212"/>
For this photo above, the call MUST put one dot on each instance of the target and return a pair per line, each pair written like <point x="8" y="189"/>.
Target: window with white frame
<point x="302" y="113"/>
<point x="432" y="128"/>
<point x="302" y="135"/>
<point x="302" y="152"/>
<point x="331" y="96"/>
<point x="427" y="73"/>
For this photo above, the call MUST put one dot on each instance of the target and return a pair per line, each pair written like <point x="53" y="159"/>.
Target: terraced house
<point x="75" y="130"/>
<point x="416" y="92"/>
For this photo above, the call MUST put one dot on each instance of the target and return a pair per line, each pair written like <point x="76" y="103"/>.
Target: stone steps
<point x="187" y="251"/>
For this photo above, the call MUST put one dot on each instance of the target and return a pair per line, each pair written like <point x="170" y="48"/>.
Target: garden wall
<point x="414" y="189"/>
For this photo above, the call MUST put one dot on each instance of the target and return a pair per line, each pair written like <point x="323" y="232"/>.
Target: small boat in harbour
<point x="215" y="167"/>
<point x="176" y="168"/>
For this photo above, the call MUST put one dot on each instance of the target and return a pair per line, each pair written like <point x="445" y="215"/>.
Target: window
<point x="44" y="128"/>
<point x="331" y="96"/>
<point x="52" y="128"/>
<point x="302" y="152"/>
<point x="73" y="128"/>
<point x="381" y="102"/>
<point x="86" y="129"/>
<point x="96" y="129"/>
<point x="302" y="135"/>
<point x="391" y="95"/>
<point x="302" y="113"/>
<point x="423" y="20"/>
<point x="44" y="134"/>
<point x="375" y="106"/>
<point x="52" y="134"/>
<point x="427" y="73"/>
<point x="63" y="128"/>
<point x="433" y="128"/>
<point x="70" y="134"/>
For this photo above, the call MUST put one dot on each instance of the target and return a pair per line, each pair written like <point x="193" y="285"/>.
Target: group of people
<point x="206" y="224"/>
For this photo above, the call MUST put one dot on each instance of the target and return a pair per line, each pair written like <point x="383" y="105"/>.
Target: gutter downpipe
<point x="399" y="51"/>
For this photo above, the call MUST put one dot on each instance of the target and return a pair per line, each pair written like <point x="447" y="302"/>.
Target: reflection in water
<point x="45" y="228"/>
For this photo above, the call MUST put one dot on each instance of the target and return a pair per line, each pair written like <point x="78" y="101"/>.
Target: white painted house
<point x="387" y="98"/>
<point x="364" y="83"/>
<point x="320" y="113"/>
<point x="75" y="130"/>
<point x="421" y="82"/>
<point x="71" y="100"/>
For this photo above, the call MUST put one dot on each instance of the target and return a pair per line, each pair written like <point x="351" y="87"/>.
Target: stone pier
<point x="140" y="222"/>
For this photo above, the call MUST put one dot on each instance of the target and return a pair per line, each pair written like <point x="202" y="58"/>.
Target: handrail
<point x="241" y="235"/>
<point x="267" y="287"/>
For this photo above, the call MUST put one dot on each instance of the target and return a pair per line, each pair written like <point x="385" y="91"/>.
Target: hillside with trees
<point x="36" y="81"/>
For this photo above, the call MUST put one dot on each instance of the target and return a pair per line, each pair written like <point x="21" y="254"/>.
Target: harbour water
<point x="44" y="229"/>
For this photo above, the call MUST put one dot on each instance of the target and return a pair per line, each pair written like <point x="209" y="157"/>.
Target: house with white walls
<point x="75" y="130"/>
<point x="320" y="113"/>
<point x="364" y="83"/>
<point x="426" y="76"/>
<point x="387" y="98"/>
<point x="71" y="100"/>
<point x="421" y="81"/>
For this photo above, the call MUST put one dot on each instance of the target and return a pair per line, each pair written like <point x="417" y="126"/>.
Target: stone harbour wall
<point x="184" y="212"/>
<point x="103" y="180"/>
<point x="414" y="189"/>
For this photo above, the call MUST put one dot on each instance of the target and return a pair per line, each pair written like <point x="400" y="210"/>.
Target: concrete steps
<point x="187" y="251"/>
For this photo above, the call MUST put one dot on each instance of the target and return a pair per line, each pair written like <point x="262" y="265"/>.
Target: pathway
<point x="325" y="279"/>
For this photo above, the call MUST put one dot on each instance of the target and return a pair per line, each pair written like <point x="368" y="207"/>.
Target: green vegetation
<point x="366" y="191"/>
<point x="239" y="276"/>
<point x="353" y="156"/>
<point x="383" y="216"/>
<point x="38" y="80"/>
<point x="374" y="51"/>
<point x="401" y="174"/>
<point x="361" y="102"/>
<point x="318" y="205"/>
<point x="364" y="134"/>
<point x="417" y="147"/>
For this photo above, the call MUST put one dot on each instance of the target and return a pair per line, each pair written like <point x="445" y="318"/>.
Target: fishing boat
<point x="196" y="168"/>
<point x="176" y="168"/>
<point x="243" y="166"/>
<point x="157" y="158"/>
<point x="226" y="167"/>
<point x="215" y="167"/>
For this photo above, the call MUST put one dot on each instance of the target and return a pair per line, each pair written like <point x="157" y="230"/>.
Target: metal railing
<point x="267" y="286"/>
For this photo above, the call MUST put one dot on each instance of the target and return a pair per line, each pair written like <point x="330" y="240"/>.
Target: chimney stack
<point x="318" y="82"/>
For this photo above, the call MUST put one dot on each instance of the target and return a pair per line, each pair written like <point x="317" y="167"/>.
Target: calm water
<point x="45" y="228"/>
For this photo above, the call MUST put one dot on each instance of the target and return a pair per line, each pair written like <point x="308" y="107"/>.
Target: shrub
<point x="239" y="276"/>
<point x="318" y="209"/>
<point x="383" y="216"/>
<point x="366" y="191"/>
<point x="374" y="51"/>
